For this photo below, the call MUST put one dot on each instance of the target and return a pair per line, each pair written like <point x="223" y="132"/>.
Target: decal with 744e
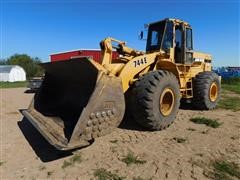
<point x="140" y="62"/>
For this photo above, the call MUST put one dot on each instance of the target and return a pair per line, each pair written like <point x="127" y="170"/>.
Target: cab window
<point x="189" y="39"/>
<point x="155" y="34"/>
<point x="168" y="37"/>
<point x="154" y="40"/>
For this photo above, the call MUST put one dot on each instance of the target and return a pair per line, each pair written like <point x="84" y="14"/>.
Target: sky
<point x="42" y="27"/>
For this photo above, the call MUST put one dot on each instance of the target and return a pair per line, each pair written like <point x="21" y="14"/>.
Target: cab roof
<point x="174" y="20"/>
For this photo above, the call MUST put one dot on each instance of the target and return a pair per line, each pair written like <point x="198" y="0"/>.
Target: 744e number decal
<point x="139" y="62"/>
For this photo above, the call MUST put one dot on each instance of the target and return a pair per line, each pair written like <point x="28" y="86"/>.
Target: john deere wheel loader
<point x="80" y="99"/>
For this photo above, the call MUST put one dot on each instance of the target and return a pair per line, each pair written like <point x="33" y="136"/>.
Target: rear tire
<point x="156" y="99"/>
<point x="206" y="90"/>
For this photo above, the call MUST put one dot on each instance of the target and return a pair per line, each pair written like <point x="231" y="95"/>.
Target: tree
<point x="29" y="64"/>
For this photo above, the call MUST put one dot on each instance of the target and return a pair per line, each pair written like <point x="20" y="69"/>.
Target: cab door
<point x="183" y="48"/>
<point x="179" y="44"/>
<point x="188" y="46"/>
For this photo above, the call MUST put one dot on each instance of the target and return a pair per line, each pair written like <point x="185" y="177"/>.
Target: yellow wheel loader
<point x="80" y="99"/>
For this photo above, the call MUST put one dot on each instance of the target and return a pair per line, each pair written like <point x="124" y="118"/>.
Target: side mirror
<point x="140" y="35"/>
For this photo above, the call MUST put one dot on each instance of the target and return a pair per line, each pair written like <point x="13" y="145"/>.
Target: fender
<point x="171" y="67"/>
<point x="135" y="66"/>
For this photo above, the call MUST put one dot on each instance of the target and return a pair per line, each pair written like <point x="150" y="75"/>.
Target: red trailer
<point x="93" y="53"/>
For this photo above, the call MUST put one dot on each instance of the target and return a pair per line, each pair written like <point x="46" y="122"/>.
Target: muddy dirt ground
<point x="182" y="151"/>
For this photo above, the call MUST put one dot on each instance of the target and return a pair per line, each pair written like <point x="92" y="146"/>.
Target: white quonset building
<point x="12" y="73"/>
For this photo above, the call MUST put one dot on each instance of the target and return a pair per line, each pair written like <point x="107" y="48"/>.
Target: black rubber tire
<point x="201" y="89"/>
<point x="146" y="99"/>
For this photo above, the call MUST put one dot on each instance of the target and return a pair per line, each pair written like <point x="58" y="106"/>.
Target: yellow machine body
<point x="81" y="99"/>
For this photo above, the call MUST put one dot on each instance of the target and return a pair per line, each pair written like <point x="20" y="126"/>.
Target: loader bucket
<point x="76" y="103"/>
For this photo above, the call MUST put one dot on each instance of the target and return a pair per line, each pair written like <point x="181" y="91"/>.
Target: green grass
<point x="179" y="139"/>
<point x="231" y="103"/>
<point x="234" y="80"/>
<point x="132" y="159"/>
<point x="140" y="178"/>
<point x="49" y="173"/>
<point x="232" y="84"/>
<point x="191" y="129"/>
<point x="205" y="131"/>
<point x="42" y="167"/>
<point x="200" y="154"/>
<point x="224" y="170"/>
<point x="103" y="174"/>
<point x="66" y="164"/>
<point x="75" y="159"/>
<point x="208" y="122"/>
<point x="234" y="137"/>
<point x="2" y="162"/>
<point x="114" y="141"/>
<point x="232" y="87"/>
<point x="227" y="101"/>
<point x="13" y="84"/>
<point x="113" y="149"/>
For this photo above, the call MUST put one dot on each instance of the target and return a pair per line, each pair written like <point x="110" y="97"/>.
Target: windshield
<point x="155" y="34"/>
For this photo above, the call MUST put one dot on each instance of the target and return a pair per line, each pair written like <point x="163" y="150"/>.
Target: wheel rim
<point x="166" y="102"/>
<point x="213" y="92"/>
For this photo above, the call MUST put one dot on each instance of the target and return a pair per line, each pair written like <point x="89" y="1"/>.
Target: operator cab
<point x="171" y="35"/>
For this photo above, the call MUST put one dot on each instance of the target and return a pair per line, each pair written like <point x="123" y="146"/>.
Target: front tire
<point x="156" y="99"/>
